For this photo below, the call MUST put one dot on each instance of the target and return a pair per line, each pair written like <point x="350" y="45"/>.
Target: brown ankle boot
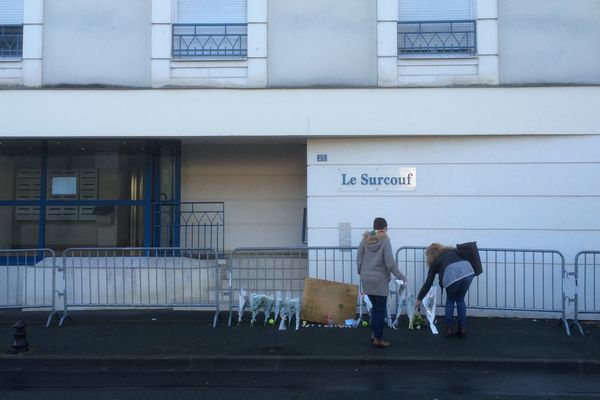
<point x="380" y="343"/>
<point x="449" y="331"/>
<point x="461" y="333"/>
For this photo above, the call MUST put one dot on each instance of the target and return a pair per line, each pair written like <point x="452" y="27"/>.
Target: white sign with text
<point x="382" y="179"/>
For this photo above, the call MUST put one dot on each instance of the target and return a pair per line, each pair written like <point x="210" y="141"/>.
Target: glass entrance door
<point x="88" y="193"/>
<point x="167" y="196"/>
<point x="94" y="193"/>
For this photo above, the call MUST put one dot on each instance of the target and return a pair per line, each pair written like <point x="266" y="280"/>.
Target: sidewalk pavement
<point x="149" y="340"/>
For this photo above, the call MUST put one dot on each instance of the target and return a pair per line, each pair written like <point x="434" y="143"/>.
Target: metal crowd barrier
<point x="27" y="280"/>
<point x="587" y="285"/>
<point x="268" y="270"/>
<point x="513" y="280"/>
<point x="112" y="278"/>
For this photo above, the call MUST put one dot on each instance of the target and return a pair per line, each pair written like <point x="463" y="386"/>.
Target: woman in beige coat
<point x="375" y="262"/>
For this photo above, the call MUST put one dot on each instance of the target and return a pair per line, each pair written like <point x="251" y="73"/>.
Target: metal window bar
<point x="142" y="277"/>
<point x="11" y="41"/>
<point x="27" y="280"/>
<point x="210" y="40"/>
<point x="190" y="225"/>
<point x="587" y="286"/>
<point x="268" y="270"/>
<point x="437" y="37"/>
<point x="513" y="281"/>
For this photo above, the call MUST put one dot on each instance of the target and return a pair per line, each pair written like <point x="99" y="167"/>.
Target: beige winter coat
<point x="375" y="262"/>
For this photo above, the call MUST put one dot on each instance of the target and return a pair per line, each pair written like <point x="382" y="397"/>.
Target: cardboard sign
<point x="323" y="299"/>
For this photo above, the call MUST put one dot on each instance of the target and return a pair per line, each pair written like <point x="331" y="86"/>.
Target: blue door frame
<point x="155" y="208"/>
<point x="151" y="186"/>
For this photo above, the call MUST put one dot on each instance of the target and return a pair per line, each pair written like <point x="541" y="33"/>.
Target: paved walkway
<point x="157" y="339"/>
<point x="154" y="355"/>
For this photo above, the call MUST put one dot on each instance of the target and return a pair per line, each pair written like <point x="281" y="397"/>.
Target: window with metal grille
<point x="210" y="29"/>
<point x="436" y="27"/>
<point x="11" y="28"/>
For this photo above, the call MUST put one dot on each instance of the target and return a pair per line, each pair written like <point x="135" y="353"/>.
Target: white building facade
<point x="456" y="120"/>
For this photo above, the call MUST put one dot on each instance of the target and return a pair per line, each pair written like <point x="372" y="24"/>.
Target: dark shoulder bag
<point x="470" y="252"/>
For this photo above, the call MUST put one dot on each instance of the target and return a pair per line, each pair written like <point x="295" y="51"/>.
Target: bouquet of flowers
<point x="286" y="307"/>
<point x="260" y="302"/>
<point x="418" y="321"/>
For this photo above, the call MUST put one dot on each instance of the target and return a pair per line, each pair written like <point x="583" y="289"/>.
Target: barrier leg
<point x="51" y="317"/>
<point x="578" y="325"/>
<point x="215" y="318"/>
<point x="566" y="324"/>
<point x="64" y="316"/>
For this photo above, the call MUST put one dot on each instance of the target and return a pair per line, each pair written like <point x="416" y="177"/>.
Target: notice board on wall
<point x="323" y="298"/>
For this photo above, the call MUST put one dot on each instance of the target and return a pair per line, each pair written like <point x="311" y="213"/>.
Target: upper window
<point x="11" y="28"/>
<point x="210" y="29"/>
<point x="436" y="27"/>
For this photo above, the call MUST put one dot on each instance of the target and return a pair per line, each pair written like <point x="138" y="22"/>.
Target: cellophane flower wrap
<point x="278" y="304"/>
<point x="260" y="302"/>
<point x="411" y="302"/>
<point x="294" y="305"/>
<point x="398" y="290"/>
<point x="367" y="302"/>
<point x="429" y="305"/>
<point x="288" y="307"/>
<point x="243" y="302"/>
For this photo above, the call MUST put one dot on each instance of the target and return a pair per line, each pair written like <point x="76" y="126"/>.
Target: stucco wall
<point x="263" y="187"/>
<point x="301" y="112"/>
<point x="87" y="42"/>
<point x="322" y="42"/>
<point x="549" y="41"/>
<point x="504" y="191"/>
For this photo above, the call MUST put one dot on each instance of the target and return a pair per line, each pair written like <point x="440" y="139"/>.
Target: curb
<point x="289" y="363"/>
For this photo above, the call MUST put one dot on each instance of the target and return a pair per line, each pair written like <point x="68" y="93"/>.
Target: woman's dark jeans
<point x="378" y="313"/>
<point x="455" y="294"/>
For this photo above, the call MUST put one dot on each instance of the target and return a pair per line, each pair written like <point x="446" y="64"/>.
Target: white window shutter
<point x="435" y="10"/>
<point x="211" y="11"/>
<point x="11" y="12"/>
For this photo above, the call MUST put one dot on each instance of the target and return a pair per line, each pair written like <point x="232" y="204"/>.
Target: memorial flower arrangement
<point x="418" y="321"/>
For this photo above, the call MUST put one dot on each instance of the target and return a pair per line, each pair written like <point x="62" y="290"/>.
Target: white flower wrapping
<point x="367" y="302"/>
<point x="243" y="302"/>
<point x="399" y="289"/>
<point x="411" y="302"/>
<point x="260" y="302"/>
<point x="429" y="305"/>
<point x="396" y="289"/>
<point x="286" y="307"/>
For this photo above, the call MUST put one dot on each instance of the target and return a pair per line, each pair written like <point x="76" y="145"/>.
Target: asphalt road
<point x="264" y="385"/>
<point x="251" y="394"/>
